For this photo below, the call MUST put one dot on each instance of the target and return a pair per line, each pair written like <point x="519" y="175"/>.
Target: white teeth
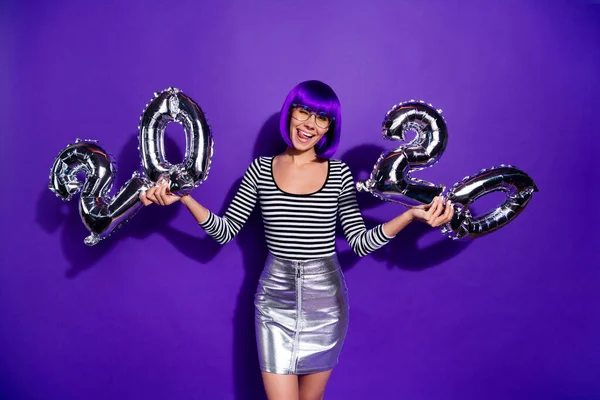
<point x="306" y="135"/>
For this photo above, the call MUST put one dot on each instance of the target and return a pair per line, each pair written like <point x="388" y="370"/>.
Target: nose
<point x="311" y="121"/>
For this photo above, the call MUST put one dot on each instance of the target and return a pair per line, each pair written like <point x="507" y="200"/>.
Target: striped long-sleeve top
<point x="298" y="226"/>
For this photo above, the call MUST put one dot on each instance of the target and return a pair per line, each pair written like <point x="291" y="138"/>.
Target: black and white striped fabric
<point x="298" y="226"/>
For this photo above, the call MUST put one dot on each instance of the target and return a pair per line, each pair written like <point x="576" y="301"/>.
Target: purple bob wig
<point x="319" y="97"/>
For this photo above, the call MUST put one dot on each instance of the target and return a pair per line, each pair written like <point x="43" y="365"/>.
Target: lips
<point x="304" y="137"/>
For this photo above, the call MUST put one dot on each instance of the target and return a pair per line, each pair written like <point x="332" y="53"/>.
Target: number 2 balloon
<point x="391" y="180"/>
<point x="102" y="214"/>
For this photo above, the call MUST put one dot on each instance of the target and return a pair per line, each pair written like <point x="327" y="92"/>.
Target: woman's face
<point x="305" y="134"/>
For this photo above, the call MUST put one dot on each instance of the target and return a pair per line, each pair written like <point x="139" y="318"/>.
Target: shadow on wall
<point x="51" y="214"/>
<point x="251" y="241"/>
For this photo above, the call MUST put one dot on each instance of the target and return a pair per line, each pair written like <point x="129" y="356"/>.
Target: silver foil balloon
<point x="517" y="185"/>
<point x="100" y="213"/>
<point x="390" y="179"/>
<point x="168" y="106"/>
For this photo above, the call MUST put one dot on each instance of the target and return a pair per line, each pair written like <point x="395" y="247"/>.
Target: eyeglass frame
<point x="311" y="113"/>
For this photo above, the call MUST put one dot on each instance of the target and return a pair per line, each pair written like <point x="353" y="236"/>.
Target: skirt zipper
<point x="294" y="360"/>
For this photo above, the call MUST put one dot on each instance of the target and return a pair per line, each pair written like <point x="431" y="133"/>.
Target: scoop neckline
<point x="300" y="194"/>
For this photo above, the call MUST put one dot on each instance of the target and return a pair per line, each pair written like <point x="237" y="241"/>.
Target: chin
<point x="303" y="146"/>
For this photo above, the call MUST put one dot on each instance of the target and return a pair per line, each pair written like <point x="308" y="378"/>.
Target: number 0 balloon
<point x="172" y="105"/>
<point x="102" y="214"/>
<point x="391" y="180"/>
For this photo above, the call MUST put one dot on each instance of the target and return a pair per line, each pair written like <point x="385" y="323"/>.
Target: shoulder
<point x="340" y="171"/>
<point x="340" y="166"/>
<point x="260" y="163"/>
<point x="259" y="166"/>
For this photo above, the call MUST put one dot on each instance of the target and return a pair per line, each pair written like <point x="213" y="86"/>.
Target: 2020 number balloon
<point x="391" y="180"/>
<point x="102" y="214"/>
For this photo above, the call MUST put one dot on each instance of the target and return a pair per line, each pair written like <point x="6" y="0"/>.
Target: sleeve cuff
<point x="384" y="235"/>
<point x="208" y="222"/>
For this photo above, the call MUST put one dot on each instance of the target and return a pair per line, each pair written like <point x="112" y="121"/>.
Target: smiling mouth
<point x="305" y="136"/>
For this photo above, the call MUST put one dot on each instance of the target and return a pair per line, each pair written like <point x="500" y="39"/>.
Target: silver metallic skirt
<point x="301" y="315"/>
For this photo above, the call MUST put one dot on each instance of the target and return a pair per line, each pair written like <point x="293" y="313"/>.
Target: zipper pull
<point x="298" y="274"/>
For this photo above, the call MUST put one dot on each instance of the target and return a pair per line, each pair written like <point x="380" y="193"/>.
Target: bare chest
<point x="306" y="179"/>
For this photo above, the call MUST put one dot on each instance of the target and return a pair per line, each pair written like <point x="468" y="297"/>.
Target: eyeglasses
<point x="303" y="113"/>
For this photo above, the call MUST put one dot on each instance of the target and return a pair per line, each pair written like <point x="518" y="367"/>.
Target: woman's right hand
<point x="159" y="195"/>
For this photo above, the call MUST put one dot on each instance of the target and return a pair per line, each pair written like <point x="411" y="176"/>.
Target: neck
<point x="301" y="157"/>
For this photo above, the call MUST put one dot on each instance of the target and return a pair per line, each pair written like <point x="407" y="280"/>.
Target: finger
<point x="150" y="195"/>
<point x="431" y="204"/>
<point x="145" y="200"/>
<point x="438" y="212"/>
<point x="431" y="213"/>
<point x="173" y="197"/>
<point x="160" y="194"/>
<point x="440" y="208"/>
<point x="446" y="216"/>
<point x="167" y="196"/>
<point x="429" y="207"/>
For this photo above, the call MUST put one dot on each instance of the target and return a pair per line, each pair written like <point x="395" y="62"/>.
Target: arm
<point x="361" y="240"/>
<point x="364" y="241"/>
<point x="433" y="214"/>
<point x="198" y="211"/>
<point x="222" y="229"/>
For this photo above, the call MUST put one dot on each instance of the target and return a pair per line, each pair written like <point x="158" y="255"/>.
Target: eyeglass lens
<point x="302" y="113"/>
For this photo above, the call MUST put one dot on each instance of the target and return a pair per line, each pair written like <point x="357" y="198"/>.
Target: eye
<point x="323" y="117"/>
<point x="303" y="111"/>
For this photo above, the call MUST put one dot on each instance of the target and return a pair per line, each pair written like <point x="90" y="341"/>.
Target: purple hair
<point x="319" y="97"/>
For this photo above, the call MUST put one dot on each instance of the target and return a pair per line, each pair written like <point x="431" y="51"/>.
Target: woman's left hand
<point x="434" y="213"/>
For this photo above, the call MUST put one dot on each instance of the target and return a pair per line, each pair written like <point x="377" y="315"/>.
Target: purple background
<point x="160" y="311"/>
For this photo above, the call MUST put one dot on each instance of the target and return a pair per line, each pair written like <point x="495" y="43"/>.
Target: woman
<point x="301" y="305"/>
